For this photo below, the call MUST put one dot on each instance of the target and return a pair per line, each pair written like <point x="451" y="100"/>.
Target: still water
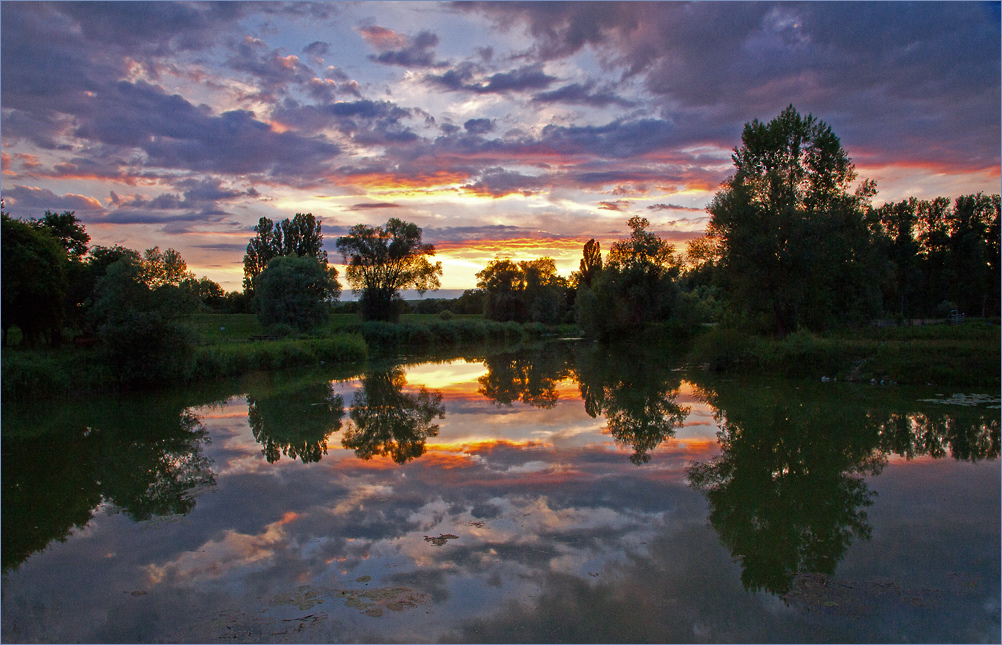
<point x="562" y="493"/>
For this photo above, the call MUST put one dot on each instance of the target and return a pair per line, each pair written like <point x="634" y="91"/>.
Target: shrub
<point x="294" y="291"/>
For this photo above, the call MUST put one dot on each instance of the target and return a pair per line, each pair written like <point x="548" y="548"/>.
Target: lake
<point x="565" y="492"/>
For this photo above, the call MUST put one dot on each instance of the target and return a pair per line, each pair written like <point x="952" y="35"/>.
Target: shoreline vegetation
<point x="232" y="345"/>
<point x="791" y="278"/>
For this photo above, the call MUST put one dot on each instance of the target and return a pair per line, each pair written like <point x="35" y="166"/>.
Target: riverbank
<point x="955" y="355"/>
<point x="228" y="345"/>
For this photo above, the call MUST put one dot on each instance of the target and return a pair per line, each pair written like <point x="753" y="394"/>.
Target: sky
<point x="501" y="128"/>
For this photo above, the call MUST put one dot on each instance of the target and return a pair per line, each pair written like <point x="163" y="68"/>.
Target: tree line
<point x="793" y="243"/>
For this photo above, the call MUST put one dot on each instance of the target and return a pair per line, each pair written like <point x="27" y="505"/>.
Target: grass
<point x="967" y="354"/>
<point x="233" y="344"/>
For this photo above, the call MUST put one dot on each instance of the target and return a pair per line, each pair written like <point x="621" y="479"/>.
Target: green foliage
<point x="720" y="349"/>
<point x="34" y="281"/>
<point x="163" y="268"/>
<point x="296" y="291"/>
<point x="637" y="287"/>
<point x="524" y="291"/>
<point x="143" y="341"/>
<point x="938" y="253"/>
<point x="795" y="250"/>
<point x="233" y="359"/>
<point x="383" y="260"/>
<point x="299" y="236"/>
<point x="68" y="230"/>
<point x="208" y="292"/>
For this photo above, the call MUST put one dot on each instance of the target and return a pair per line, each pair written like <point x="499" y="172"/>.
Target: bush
<point x="294" y="291"/>
<point x="142" y="340"/>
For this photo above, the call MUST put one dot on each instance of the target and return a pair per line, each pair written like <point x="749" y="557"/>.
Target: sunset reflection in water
<point x="549" y="495"/>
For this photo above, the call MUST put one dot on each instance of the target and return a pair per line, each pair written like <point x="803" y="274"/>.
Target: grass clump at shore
<point x="231" y="359"/>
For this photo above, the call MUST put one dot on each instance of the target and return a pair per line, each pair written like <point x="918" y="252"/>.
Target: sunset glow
<point x="502" y="129"/>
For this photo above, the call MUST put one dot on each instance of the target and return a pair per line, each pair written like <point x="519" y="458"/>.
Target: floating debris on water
<point x="363" y="579"/>
<point x="303" y="598"/>
<point x="969" y="400"/>
<point x="372" y="602"/>
<point x="441" y="539"/>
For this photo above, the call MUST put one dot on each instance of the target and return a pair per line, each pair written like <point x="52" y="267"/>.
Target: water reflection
<point x="385" y="420"/>
<point x="295" y="420"/>
<point x="144" y="458"/>
<point x="787" y="493"/>
<point x="519" y="523"/>
<point x="636" y="392"/>
<point x="529" y="378"/>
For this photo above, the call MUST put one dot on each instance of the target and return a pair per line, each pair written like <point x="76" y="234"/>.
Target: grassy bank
<point x="31" y="373"/>
<point x="962" y="355"/>
<point x="414" y="332"/>
<point x="233" y="344"/>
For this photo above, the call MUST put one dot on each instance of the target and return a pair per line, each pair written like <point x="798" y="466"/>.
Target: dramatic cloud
<point x="541" y="116"/>
<point x="19" y="197"/>
<point x="404" y="51"/>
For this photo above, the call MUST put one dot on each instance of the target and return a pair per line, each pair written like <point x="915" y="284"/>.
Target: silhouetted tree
<point x="794" y="247"/>
<point x="143" y="339"/>
<point x="299" y="236"/>
<point x="523" y="291"/>
<point x="636" y="286"/>
<point x="68" y="230"/>
<point x="383" y="260"/>
<point x="590" y="266"/>
<point x="163" y="268"/>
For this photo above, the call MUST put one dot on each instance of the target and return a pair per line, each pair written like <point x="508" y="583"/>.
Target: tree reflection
<point x="788" y="495"/>
<point x="385" y="420"/>
<point x="60" y="462"/>
<point x="637" y="395"/>
<point x="531" y="379"/>
<point x="296" y="420"/>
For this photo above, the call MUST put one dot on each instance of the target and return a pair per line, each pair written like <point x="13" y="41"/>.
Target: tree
<point x="503" y="282"/>
<point x="591" y="265"/>
<point x="794" y="247"/>
<point x="636" y="286"/>
<point x="68" y="230"/>
<point x="143" y="340"/>
<point x="382" y="260"/>
<point x="296" y="291"/>
<point x="209" y="292"/>
<point x="523" y="291"/>
<point x="164" y="268"/>
<point x="299" y="236"/>
<point x="34" y="281"/>
<point x="893" y="225"/>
